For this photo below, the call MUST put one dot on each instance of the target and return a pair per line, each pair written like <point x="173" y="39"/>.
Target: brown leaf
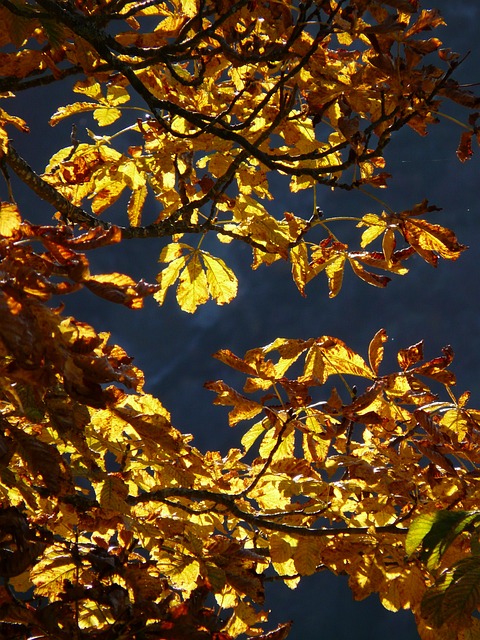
<point x="436" y="368"/>
<point x="410" y="356"/>
<point x="280" y="633"/>
<point x="464" y="151"/>
<point x="243" y="408"/>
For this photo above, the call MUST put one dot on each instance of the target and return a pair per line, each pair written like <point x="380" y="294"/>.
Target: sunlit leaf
<point x="222" y="282"/>
<point x="192" y="289"/>
<point x="10" y="219"/>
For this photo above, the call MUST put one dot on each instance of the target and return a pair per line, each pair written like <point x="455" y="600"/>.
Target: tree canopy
<point x="113" y="524"/>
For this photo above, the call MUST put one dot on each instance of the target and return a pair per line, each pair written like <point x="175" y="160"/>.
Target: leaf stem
<point x="452" y="119"/>
<point x="377" y="199"/>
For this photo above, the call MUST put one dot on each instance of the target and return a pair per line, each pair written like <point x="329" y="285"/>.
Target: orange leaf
<point x="430" y="240"/>
<point x="243" y="408"/>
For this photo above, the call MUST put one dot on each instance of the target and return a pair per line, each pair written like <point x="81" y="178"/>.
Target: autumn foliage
<point x="113" y="525"/>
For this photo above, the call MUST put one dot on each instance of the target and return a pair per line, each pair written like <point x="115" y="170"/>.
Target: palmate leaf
<point x="200" y="276"/>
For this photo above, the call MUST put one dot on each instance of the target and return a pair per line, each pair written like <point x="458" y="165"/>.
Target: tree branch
<point x="229" y="501"/>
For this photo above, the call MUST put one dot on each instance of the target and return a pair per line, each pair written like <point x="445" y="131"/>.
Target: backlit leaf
<point x="192" y="289"/>
<point x="376" y="349"/>
<point x="169" y="276"/>
<point x="135" y="205"/>
<point x="10" y="219"/>
<point x="243" y="408"/>
<point x="408" y="357"/>
<point x="222" y="282"/>
<point x="106" y="115"/>
<point x="70" y="110"/>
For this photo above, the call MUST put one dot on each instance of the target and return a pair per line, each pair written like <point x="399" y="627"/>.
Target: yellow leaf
<point x="249" y="438"/>
<point x="244" y="619"/>
<point x="270" y="440"/>
<point x="10" y="219"/>
<point x="289" y="351"/>
<point x="185" y="576"/>
<point x="375" y="227"/>
<point x="222" y="282"/>
<point x="107" y="196"/>
<point x="192" y="289"/>
<point x="315" y="449"/>
<point x="117" y="95"/>
<point x="70" y="110"/>
<point x="281" y="551"/>
<point x="297" y="183"/>
<point x="130" y="175"/>
<point x="106" y="115"/>
<point x="330" y="356"/>
<point x="306" y="556"/>
<point x="458" y="421"/>
<point x="90" y="88"/>
<point x="174" y="250"/>
<point x="168" y="276"/>
<point x="111" y="494"/>
<point x="334" y="269"/>
<point x="135" y="205"/>
<point x="51" y="572"/>
<point x="302" y="271"/>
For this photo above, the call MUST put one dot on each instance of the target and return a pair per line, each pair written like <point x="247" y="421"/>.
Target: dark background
<point x="174" y="348"/>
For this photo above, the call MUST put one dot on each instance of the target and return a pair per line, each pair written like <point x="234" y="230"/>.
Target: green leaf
<point x="455" y="595"/>
<point x="436" y="531"/>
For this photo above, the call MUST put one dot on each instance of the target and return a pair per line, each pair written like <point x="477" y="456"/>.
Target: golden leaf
<point x="222" y="282"/>
<point x="334" y="268"/>
<point x="135" y="205"/>
<point x="375" y="227"/>
<point x="106" y="115"/>
<point x="302" y="270"/>
<point x="116" y="95"/>
<point x="70" y="110"/>
<point x="192" y="289"/>
<point x="169" y="276"/>
<point x="111" y="493"/>
<point x="10" y="219"/>
<point x="108" y="195"/>
<point x="307" y="556"/>
<point x="54" y="568"/>
<point x="376" y="349"/>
